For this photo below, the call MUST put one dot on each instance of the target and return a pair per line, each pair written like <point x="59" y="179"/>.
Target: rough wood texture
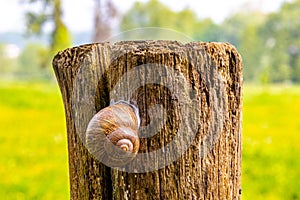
<point x="198" y="86"/>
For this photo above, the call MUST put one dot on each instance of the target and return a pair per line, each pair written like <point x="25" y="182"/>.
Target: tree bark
<point x="190" y="100"/>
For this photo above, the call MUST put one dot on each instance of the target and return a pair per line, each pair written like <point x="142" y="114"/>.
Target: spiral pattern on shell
<point x="112" y="134"/>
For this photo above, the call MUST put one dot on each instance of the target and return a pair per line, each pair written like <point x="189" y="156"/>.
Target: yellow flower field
<point x="33" y="145"/>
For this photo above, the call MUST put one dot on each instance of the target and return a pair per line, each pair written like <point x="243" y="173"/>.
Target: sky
<point x="78" y="13"/>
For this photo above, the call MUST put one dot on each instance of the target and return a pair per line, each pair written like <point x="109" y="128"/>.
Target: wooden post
<point x="189" y="99"/>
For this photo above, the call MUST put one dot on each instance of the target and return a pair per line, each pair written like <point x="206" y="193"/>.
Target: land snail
<point x="112" y="134"/>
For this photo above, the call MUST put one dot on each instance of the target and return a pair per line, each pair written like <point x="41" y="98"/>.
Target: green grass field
<point x="33" y="146"/>
<point x="271" y="136"/>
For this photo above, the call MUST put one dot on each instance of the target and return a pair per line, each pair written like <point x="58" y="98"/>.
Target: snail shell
<point x="112" y="134"/>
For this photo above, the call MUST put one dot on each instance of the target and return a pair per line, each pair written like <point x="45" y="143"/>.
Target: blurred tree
<point x="281" y="36"/>
<point x="103" y="19"/>
<point x="155" y="14"/>
<point x="207" y="30"/>
<point x="48" y="13"/>
<point x="61" y="38"/>
<point x="185" y="22"/>
<point x="149" y="14"/>
<point x="31" y="61"/>
<point x="251" y="51"/>
<point x="232" y="29"/>
<point x="241" y="29"/>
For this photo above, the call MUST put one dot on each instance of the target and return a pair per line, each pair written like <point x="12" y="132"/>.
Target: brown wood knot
<point x="112" y="134"/>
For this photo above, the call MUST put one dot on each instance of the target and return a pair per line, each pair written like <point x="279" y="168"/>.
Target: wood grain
<point x="199" y="87"/>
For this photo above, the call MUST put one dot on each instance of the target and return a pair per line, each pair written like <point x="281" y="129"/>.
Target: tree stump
<point x="189" y="98"/>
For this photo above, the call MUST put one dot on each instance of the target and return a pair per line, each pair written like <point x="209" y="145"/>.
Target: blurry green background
<point x="33" y="145"/>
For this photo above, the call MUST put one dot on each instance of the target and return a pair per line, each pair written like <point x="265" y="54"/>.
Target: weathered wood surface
<point x="199" y="87"/>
